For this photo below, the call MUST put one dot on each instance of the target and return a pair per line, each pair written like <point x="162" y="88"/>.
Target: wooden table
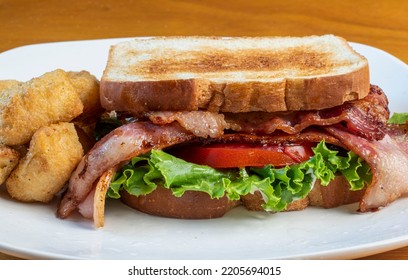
<point x="382" y="24"/>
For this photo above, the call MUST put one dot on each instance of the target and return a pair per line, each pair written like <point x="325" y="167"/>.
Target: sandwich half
<point x="195" y="126"/>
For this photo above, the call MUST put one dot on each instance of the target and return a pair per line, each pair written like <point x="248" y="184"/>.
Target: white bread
<point x="238" y="74"/>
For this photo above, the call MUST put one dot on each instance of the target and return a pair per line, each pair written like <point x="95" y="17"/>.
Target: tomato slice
<point x="244" y="155"/>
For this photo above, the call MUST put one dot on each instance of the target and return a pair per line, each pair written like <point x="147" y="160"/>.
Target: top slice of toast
<point x="234" y="74"/>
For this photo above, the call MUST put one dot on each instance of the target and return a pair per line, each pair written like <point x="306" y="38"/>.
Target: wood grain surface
<point x="382" y="24"/>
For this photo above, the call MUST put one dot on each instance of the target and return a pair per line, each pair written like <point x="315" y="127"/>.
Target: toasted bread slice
<point x="238" y="74"/>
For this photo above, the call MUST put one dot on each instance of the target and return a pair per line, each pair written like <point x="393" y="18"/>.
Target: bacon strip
<point x="119" y="145"/>
<point x="388" y="159"/>
<point x="200" y="123"/>
<point x="309" y="135"/>
<point x="366" y="117"/>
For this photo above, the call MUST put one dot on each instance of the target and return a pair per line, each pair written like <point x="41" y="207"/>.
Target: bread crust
<point x="326" y="92"/>
<point x="235" y="97"/>
<point x="192" y="205"/>
<point x="198" y="205"/>
<point x="337" y="193"/>
<point x="138" y="97"/>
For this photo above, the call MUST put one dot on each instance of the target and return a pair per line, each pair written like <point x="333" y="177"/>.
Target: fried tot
<point x="25" y="107"/>
<point x="53" y="154"/>
<point x="87" y="86"/>
<point x="6" y="84"/>
<point x="8" y="160"/>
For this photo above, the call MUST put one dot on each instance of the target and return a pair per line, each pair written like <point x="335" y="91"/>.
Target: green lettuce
<point x="278" y="186"/>
<point x="398" y="118"/>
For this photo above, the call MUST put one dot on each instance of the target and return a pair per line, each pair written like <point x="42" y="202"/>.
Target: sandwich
<point x="195" y="126"/>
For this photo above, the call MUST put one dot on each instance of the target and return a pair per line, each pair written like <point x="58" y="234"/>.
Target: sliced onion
<point x="99" y="197"/>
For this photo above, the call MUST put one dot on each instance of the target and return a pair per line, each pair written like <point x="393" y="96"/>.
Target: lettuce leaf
<point x="278" y="186"/>
<point x="398" y="118"/>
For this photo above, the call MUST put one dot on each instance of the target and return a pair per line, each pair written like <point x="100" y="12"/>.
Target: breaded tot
<point x="53" y="154"/>
<point x="8" y="160"/>
<point x="25" y="107"/>
<point x="6" y="84"/>
<point x="87" y="87"/>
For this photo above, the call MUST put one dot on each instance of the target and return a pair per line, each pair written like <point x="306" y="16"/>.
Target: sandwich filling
<point x="278" y="186"/>
<point x="353" y="140"/>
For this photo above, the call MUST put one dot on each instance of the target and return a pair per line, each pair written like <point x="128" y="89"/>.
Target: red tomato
<point x="242" y="155"/>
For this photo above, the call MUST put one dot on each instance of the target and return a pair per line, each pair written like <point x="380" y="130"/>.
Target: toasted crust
<point x="337" y="193"/>
<point x="233" y="74"/>
<point x="192" y="205"/>
<point x="198" y="205"/>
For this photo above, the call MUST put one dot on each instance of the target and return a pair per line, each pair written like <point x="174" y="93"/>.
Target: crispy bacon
<point x="388" y="159"/>
<point x="200" y="123"/>
<point x="310" y="135"/>
<point x="366" y="117"/>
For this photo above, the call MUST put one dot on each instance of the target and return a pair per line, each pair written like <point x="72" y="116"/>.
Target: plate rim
<point x="355" y="251"/>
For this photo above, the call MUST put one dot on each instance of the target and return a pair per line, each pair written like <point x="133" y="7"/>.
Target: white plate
<point x="33" y="231"/>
